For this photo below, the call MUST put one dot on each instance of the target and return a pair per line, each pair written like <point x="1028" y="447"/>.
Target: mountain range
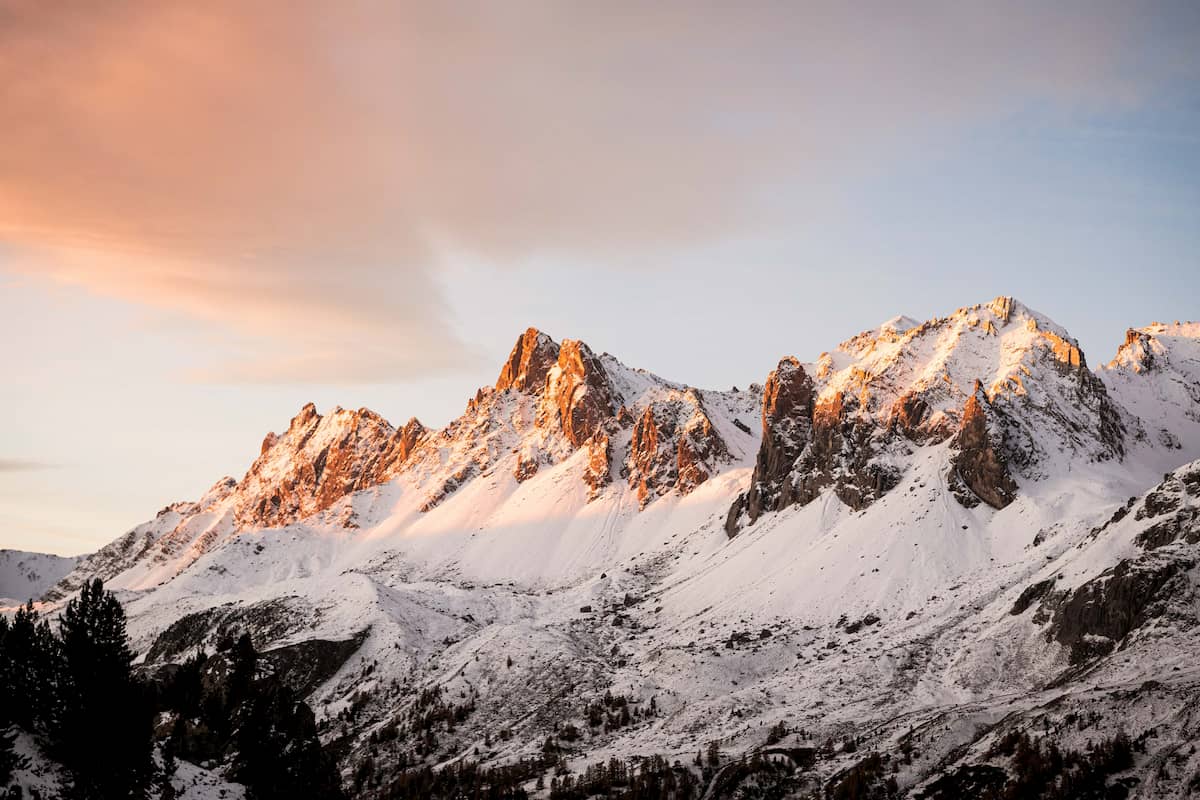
<point x="935" y="537"/>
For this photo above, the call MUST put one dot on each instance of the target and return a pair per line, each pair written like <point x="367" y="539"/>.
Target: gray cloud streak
<point x="24" y="465"/>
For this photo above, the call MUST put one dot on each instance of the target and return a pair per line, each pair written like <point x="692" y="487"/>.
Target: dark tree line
<point x="73" y="687"/>
<point x="648" y="779"/>
<point x="1040" y="770"/>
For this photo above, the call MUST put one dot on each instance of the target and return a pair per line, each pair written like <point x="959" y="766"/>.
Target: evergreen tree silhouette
<point x="30" y="670"/>
<point x="103" y="725"/>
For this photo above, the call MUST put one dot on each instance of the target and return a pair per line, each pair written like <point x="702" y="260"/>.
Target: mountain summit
<point x="1005" y="388"/>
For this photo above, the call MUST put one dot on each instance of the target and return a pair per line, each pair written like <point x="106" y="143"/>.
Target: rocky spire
<point x="978" y="465"/>
<point x="673" y="445"/>
<point x="579" y="396"/>
<point x="787" y="425"/>
<point x="531" y="359"/>
<point x="787" y="420"/>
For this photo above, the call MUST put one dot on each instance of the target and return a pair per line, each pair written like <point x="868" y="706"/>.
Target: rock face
<point x="674" y="445"/>
<point x="1172" y="510"/>
<point x="528" y="461"/>
<point x="698" y="450"/>
<point x="579" y="397"/>
<point x="1094" y="618"/>
<point x="552" y="400"/>
<point x="843" y="455"/>
<point x="652" y="465"/>
<point x="1011" y="387"/>
<point x="1156" y="375"/>
<point x="787" y="429"/>
<point x="809" y="445"/>
<point x="1138" y="351"/>
<point x="320" y="460"/>
<point x="531" y="360"/>
<point x="599" y="464"/>
<point x="977" y="465"/>
<point x="1154" y="586"/>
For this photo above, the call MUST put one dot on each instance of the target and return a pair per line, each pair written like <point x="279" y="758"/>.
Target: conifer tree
<point x="30" y="670"/>
<point x="9" y="760"/>
<point x="103" y="729"/>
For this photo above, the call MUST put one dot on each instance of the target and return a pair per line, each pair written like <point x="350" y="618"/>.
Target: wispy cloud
<point x="287" y="170"/>
<point x="24" y="465"/>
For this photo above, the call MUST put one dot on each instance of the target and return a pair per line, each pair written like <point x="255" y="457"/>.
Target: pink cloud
<point x="286" y="171"/>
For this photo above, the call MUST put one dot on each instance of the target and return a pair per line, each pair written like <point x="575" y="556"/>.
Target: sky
<point x="212" y="213"/>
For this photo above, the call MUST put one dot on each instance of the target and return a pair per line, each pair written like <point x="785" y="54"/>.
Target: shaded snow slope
<point x="27" y="576"/>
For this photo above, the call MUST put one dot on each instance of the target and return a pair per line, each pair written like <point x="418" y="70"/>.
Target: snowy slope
<point x="567" y="537"/>
<point x="1156" y="377"/>
<point x="25" y="576"/>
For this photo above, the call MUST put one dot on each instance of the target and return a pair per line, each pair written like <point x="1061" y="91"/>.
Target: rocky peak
<point x="319" y="460"/>
<point x="403" y="441"/>
<point x="812" y="439"/>
<point x="583" y="401"/>
<point x="788" y="389"/>
<point x="579" y="396"/>
<point x="1002" y="307"/>
<point x="1016" y="380"/>
<point x="1155" y="378"/>
<point x="1137" y="352"/>
<point x="1150" y="348"/>
<point x="307" y="415"/>
<point x="673" y="445"/>
<point x="787" y="424"/>
<point x="218" y="492"/>
<point x="531" y="359"/>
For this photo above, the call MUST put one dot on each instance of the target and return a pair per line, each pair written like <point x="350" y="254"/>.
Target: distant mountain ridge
<point x="27" y="576"/>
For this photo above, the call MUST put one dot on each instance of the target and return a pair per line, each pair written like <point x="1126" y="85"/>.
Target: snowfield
<point x="28" y="576"/>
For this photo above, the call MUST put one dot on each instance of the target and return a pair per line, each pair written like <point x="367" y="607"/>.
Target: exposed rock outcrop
<point x="579" y="396"/>
<point x="842" y="454"/>
<point x="1156" y="375"/>
<point x="787" y="427"/>
<point x="674" y="445"/>
<point x="978" y="468"/>
<point x="531" y="360"/>
<point x="651" y="465"/>
<point x="1155" y="587"/>
<point x="699" y="448"/>
<point x="809" y="444"/>
<point x="1172" y="509"/>
<point x="320" y="460"/>
<point x="599" y="465"/>
<point x="1095" y="617"/>
<point x="528" y="461"/>
<point x="848" y="423"/>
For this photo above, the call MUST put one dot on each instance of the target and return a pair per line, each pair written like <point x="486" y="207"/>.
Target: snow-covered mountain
<point x="27" y="576"/>
<point x="932" y="536"/>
